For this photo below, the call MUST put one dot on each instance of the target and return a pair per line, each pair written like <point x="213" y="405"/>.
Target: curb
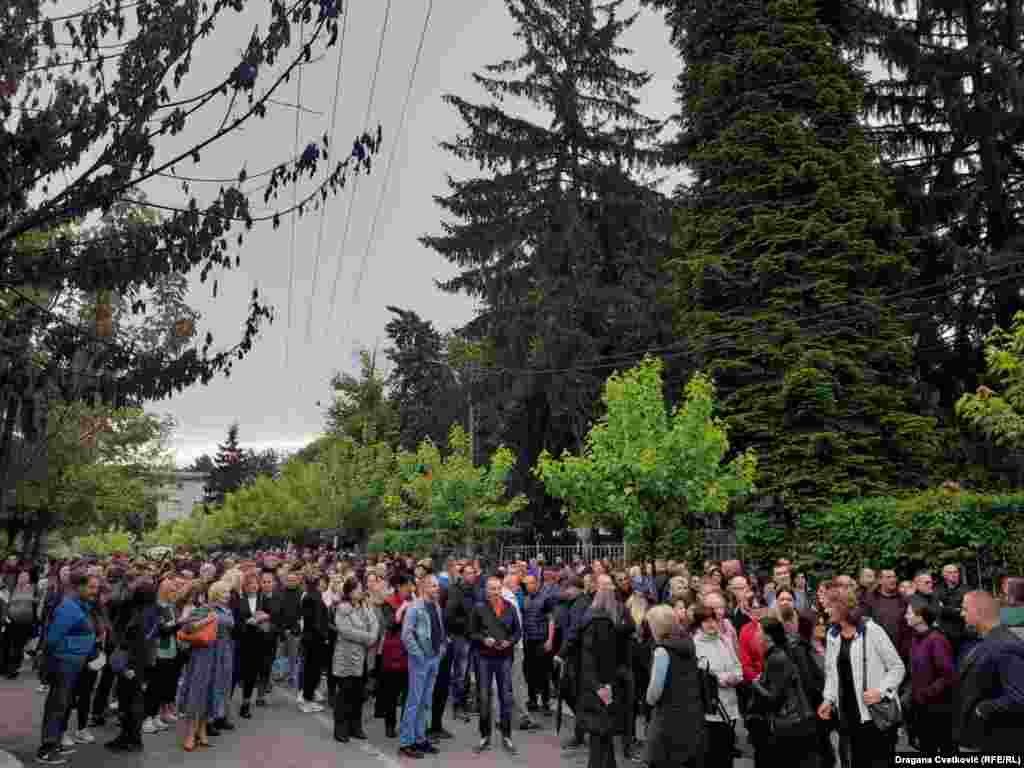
<point x="7" y="760"/>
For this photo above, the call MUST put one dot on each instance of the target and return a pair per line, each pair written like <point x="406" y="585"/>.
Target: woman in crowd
<point x="131" y="662"/>
<point x="394" y="675"/>
<point x="331" y="590"/>
<point x="357" y="633"/>
<point x="315" y="626"/>
<point x="676" y="737"/>
<point x="20" y="622"/>
<point x="105" y="676"/>
<point x="195" y="692"/>
<point x="598" y="708"/>
<point x="780" y="697"/>
<point x="932" y="682"/>
<point x="220" y="598"/>
<point x="251" y="637"/>
<point x="162" y="680"/>
<point x="856" y="645"/>
<point x="639" y="604"/>
<point x="717" y="655"/>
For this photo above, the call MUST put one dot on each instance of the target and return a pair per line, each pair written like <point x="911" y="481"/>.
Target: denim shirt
<point x="417" y="631"/>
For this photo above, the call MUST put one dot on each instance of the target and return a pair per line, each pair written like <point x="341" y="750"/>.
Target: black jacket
<point x="779" y="692"/>
<point x="250" y="637"/>
<point x="990" y="697"/>
<point x="677" y="731"/>
<point x="316" y="623"/>
<point x="461" y="602"/>
<point x="289" y="610"/>
<point x="485" y="623"/>
<point x="598" y="667"/>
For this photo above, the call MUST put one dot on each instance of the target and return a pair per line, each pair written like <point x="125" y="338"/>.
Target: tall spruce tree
<point x="560" y="239"/>
<point x="228" y="473"/>
<point x="786" y="247"/>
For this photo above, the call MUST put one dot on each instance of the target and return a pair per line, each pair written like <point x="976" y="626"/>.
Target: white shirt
<point x="509" y="595"/>
<point x="252" y="604"/>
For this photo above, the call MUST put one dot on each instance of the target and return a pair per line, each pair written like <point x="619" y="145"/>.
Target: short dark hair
<point x="924" y="609"/>
<point x="700" y="613"/>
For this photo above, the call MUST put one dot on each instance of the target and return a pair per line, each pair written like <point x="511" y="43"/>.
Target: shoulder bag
<point x="886" y="714"/>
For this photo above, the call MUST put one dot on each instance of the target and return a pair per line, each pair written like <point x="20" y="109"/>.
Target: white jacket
<point x="885" y="668"/>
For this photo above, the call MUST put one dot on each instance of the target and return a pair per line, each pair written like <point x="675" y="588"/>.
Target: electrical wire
<point x="355" y="182"/>
<point x="391" y="154"/>
<point x="332" y="134"/>
<point x="295" y="200"/>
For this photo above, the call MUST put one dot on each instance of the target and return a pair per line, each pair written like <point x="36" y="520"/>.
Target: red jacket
<point x="751" y="653"/>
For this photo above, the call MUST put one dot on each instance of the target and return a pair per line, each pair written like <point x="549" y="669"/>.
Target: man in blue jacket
<point x="423" y="635"/>
<point x="70" y="641"/>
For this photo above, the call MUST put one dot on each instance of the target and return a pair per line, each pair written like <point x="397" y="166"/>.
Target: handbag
<point x="798" y="719"/>
<point x="886" y="714"/>
<point x="203" y="637"/>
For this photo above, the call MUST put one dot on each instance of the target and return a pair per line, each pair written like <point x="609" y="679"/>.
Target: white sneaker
<point x="298" y="698"/>
<point x="310" y="708"/>
<point x="113" y="705"/>
<point x="84" y="737"/>
<point x="67" y="741"/>
<point x="44" y="688"/>
<point x="148" y="726"/>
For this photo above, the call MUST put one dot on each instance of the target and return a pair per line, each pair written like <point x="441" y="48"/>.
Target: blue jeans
<point x="63" y="679"/>
<point x="495" y="671"/>
<point x="419" y="700"/>
<point x="459" y="650"/>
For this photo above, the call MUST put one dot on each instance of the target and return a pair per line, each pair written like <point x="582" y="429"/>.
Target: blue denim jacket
<point x="71" y="635"/>
<point x="417" y="630"/>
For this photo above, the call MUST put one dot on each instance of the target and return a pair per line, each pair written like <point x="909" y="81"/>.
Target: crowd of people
<point x="818" y="674"/>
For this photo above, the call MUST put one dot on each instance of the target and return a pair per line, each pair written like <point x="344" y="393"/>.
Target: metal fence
<point x="566" y="553"/>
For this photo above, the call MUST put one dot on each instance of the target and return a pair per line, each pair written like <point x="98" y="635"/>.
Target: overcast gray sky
<point x="275" y="403"/>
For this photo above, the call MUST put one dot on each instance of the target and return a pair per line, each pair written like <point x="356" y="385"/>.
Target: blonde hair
<point x="219" y="592"/>
<point x="661" y="619"/>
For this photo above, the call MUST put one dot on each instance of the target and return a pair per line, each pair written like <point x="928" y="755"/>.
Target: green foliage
<point x="785" y="249"/>
<point x="1000" y="417"/>
<point x="415" y="542"/>
<point x="447" y="492"/>
<point x="653" y="473"/>
<point x="105" y="543"/>
<point x="361" y="410"/>
<point x="932" y="527"/>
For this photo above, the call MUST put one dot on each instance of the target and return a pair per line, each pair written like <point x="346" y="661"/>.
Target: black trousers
<point x="81" y="698"/>
<point x="251" y="659"/>
<point x="934" y="731"/>
<point x="131" y="704"/>
<point x="441" y="689"/>
<point x="15" y="639"/>
<point x="391" y="689"/>
<point x="313" y="666"/>
<point x="270" y="644"/>
<point x="161" y="685"/>
<point x="348" y="706"/>
<point x="101" y="698"/>
<point x="537" y="667"/>
<point x="602" y="751"/>
<point x="867" y="746"/>
<point x="719" y="745"/>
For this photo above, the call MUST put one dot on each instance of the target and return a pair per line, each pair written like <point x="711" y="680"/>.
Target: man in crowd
<point x="951" y="592"/>
<point x="423" y="637"/>
<point x="924" y="589"/>
<point x="990" y="697"/>
<point x="512" y="592"/>
<point x="568" y="657"/>
<point x="70" y="643"/>
<point x="461" y="601"/>
<point x="289" y="627"/>
<point x="888" y="608"/>
<point x="538" y="634"/>
<point x="495" y="631"/>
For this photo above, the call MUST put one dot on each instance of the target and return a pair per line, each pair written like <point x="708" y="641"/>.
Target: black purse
<point x="886" y="714"/>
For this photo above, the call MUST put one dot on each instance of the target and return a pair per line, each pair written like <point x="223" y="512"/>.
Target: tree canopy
<point x="1000" y="415"/>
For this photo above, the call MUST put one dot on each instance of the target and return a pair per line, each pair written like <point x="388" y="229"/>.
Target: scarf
<point x="498" y="606"/>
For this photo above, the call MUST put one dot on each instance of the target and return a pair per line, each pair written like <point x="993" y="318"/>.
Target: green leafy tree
<point x="655" y="474"/>
<point x="1000" y="416"/>
<point x="361" y="409"/>
<point x="560" y="238"/>
<point x="447" y="493"/>
<point x="787" y="245"/>
<point x="426" y="394"/>
<point x="234" y="467"/>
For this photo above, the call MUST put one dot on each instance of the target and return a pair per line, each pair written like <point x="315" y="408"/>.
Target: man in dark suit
<point x="270" y="604"/>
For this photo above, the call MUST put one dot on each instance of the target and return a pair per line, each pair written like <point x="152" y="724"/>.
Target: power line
<point x="295" y="199"/>
<point x="392" y="153"/>
<point x="355" y="182"/>
<point x="320" y="229"/>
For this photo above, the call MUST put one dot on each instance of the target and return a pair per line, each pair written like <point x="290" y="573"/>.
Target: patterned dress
<point x="195" y="686"/>
<point x="223" y="671"/>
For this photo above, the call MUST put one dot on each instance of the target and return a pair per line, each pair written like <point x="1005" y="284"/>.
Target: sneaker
<point x="483" y="746"/>
<point x="67" y="740"/>
<point x="44" y="688"/>
<point x="84" y="737"/>
<point x="310" y="708"/>
<point x="113" y="705"/>
<point x="50" y="757"/>
<point x="160" y="725"/>
<point x="148" y="726"/>
<point x="506" y="742"/>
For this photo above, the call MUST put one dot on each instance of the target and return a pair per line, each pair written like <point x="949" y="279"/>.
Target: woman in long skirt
<point x="224" y="666"/>
<point x="195" y="697"/>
